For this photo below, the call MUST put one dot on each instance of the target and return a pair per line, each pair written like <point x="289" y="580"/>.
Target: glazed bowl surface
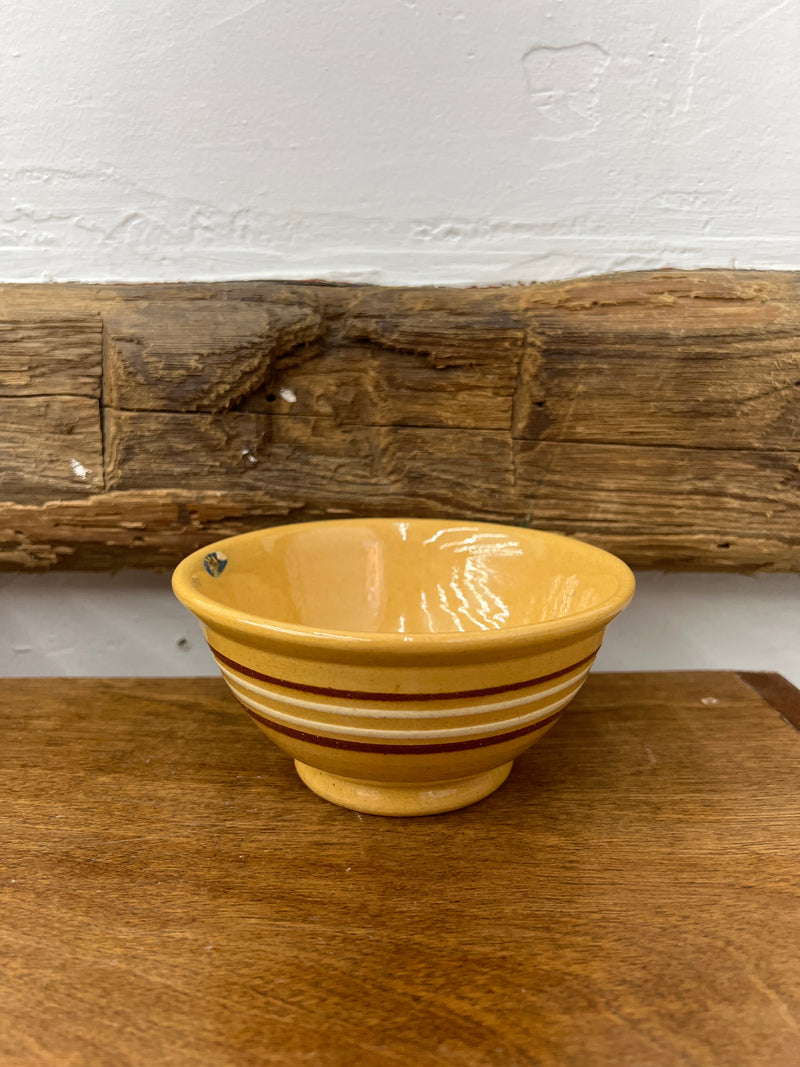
<point x="403" y="663"/>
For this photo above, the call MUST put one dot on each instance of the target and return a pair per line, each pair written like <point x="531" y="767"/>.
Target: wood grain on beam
<point x="50" y="380"/>
<point x="50" y="447"/>
<point x="197" y="355"/>
<point x="55" y="356"/>
<point x="655" y="413"/>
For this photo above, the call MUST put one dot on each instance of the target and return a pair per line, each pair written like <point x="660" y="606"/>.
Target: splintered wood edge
<point x="157" y="528"/>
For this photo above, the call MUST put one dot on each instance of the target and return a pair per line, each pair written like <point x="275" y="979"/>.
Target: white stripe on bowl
<point x="481" y="730"/>
<point x="392" y="713"/>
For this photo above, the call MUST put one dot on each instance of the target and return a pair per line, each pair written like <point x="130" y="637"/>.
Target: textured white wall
<point x="130" y="624"/>
<point x="398" y="142"/>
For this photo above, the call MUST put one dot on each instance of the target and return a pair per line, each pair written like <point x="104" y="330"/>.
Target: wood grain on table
<point x="172" y="894"/>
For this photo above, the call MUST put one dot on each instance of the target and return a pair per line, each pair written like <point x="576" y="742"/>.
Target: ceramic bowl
<point x="403" y="663"/>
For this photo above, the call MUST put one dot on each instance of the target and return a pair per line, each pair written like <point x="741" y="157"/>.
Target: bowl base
<point x="399" y="798"/>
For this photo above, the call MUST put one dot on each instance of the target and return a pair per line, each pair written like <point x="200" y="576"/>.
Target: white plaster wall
<point x="130" y="624"/>
<point x="397" y="142"/>
<point x="459" y="141"/>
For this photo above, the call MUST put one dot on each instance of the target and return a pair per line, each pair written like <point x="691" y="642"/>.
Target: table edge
<point x="776" y="691"/>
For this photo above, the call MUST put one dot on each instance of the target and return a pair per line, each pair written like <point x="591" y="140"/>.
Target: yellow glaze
<point x="403" y="663"/>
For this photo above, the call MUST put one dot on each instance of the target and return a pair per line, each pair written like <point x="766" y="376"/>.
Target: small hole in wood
<point x="271" y="397"/>
<point x="724" y="544"/>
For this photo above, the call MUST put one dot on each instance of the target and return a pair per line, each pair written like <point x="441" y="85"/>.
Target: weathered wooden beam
<point x="50" y="379"/>
<point x="151" y="529"/>
<point x="737" y="495"/>
<point x="55" y="356"/>
<point x="655" y="413"/>
<point x="50" y="448"/>
<point x="197" y="355"/>
<point x="687" y="386"/>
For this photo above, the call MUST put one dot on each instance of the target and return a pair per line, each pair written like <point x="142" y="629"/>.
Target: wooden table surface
<point x="171" y="893"/>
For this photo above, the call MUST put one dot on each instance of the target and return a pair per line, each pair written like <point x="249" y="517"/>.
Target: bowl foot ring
<point x="398" y="798"/>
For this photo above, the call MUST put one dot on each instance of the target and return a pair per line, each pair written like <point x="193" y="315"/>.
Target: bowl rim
<point x="238" y="623"/>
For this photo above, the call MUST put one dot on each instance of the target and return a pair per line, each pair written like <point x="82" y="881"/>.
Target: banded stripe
<point x="357" y="694"/>
<point x="396" y="714"/>
<point x="273" y="715"/>
<point x="401" y="749"/>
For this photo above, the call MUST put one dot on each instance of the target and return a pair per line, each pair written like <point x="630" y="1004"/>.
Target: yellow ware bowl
<point x="403" y="663"/>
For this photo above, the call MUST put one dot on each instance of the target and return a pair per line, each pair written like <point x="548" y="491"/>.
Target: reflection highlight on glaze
<point x="470" y="583"/>
<point x="410" y="578"/>
<point x="452" y="615"/>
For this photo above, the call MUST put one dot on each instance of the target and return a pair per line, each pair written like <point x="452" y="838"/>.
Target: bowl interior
<point x="414" y="576"/>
